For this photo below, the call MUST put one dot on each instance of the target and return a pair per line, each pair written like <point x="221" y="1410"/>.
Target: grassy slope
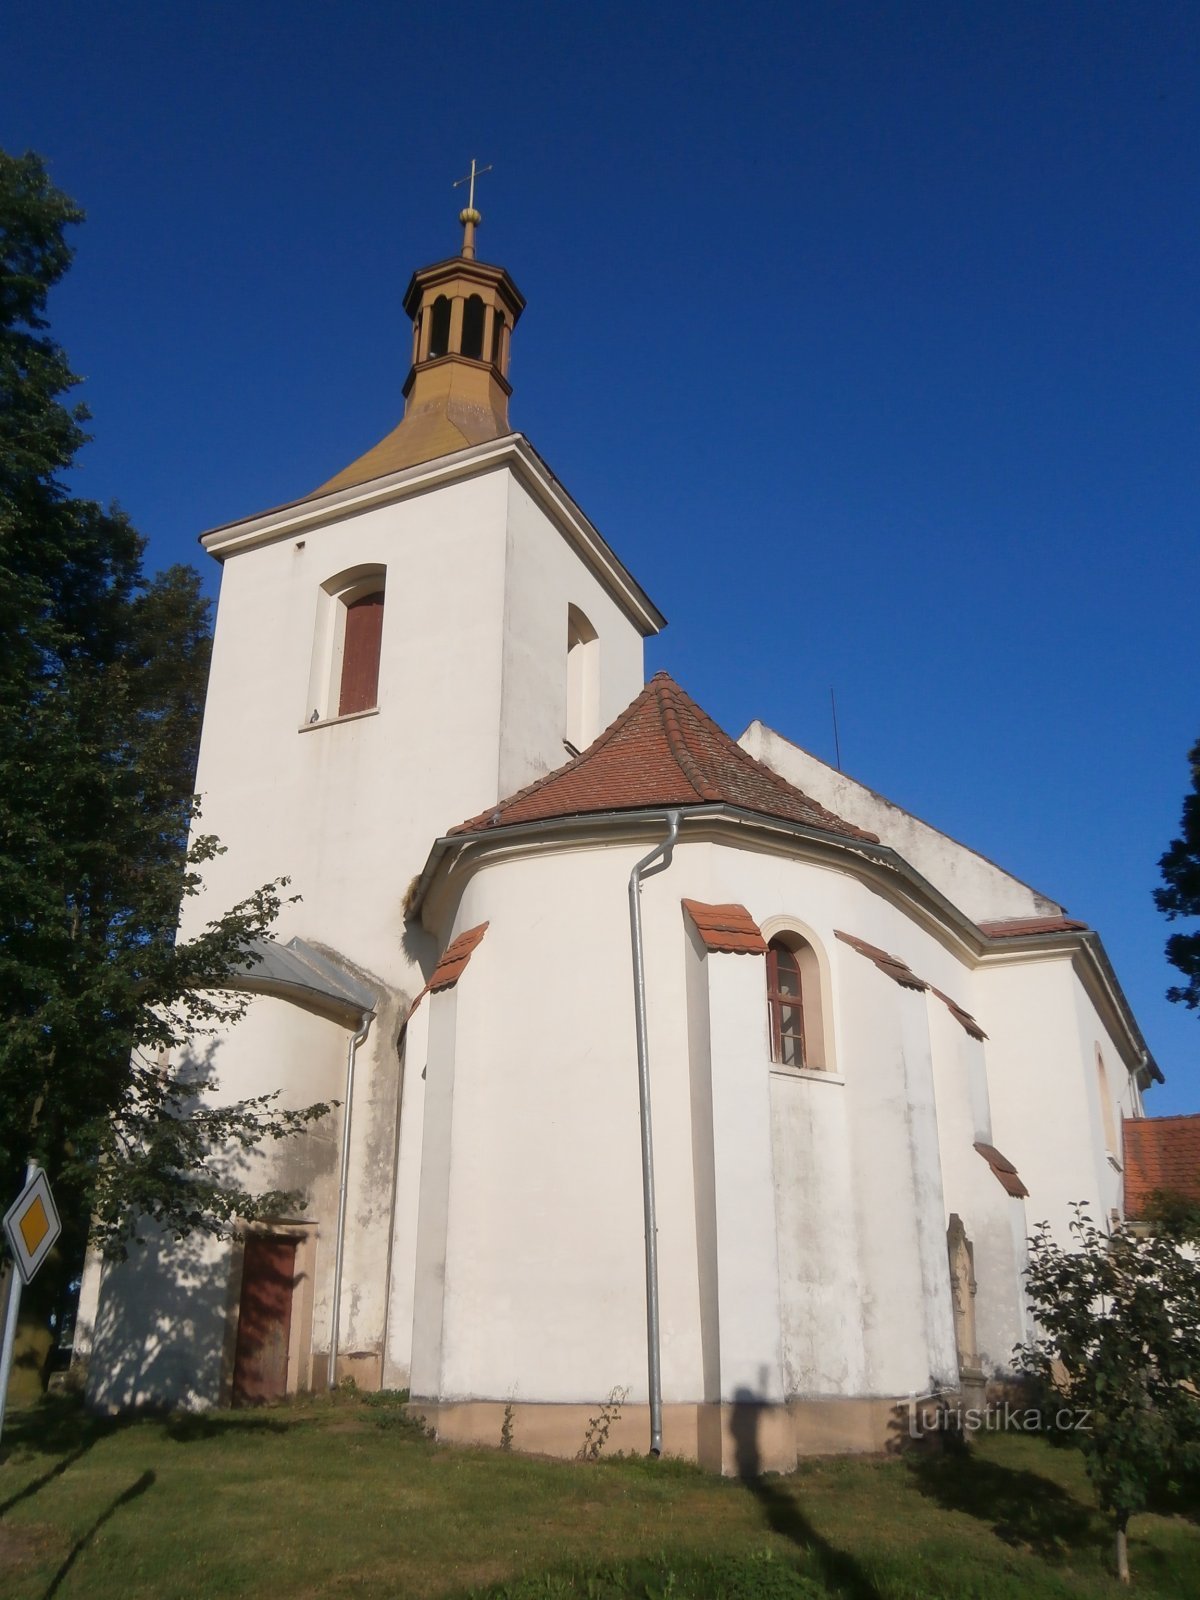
<point x="330" y="1498"/>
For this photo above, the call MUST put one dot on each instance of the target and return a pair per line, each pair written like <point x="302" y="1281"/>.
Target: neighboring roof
<point x="1003" y="1169"/>
<point x="1020" y="927"/>
<point x="663" y="750"/>
<point x="728" y="928"/>
<point x="1162" y="1155"/>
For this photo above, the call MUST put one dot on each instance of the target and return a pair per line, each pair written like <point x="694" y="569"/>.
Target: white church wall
<point x="821" y="1293"/>
<point x="543" y="1294"/>
<point x="160" y="1333"/>
<point x="972" y="1191"/>
<point x="1099" y="1053"/>
<point x="434" y="1197"/>
<point x="543" y="577"/>
<point x="1039" y="1088"/>
<point x="895" y="1214"/>
<point x="544" y="1284"/>
<point x="319" y="802"/>
<point x="161" y="1316"/>
<point x="748" y="1255"/>
<point x="397" y="1368"/>
<point x="968" y="880"/>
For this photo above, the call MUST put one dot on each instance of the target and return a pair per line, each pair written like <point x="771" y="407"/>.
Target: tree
<point x="1180" y="868"/>
<point x="102" y="674"/>
<point x="1118" y="1320"/>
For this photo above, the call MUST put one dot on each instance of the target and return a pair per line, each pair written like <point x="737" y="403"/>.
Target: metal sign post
<point x="31" y="1225"/>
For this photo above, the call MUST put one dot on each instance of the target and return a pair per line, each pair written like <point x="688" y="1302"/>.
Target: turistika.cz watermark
<point x="927" y="1416"/>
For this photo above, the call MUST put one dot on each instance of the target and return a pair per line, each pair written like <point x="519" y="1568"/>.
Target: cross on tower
<point x="475" y="172"/>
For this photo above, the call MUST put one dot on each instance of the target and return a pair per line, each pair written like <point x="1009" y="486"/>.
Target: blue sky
<point x="866" y="333"/>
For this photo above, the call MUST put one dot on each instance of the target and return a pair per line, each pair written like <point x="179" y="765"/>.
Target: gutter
<point x="658" y="860"/>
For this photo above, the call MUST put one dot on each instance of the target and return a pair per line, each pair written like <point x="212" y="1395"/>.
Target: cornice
<point x="513" y="451"/>
<point x="455" y="857"/>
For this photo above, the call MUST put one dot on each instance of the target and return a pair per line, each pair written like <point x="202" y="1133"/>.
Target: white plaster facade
<point x="494" y="1230"/>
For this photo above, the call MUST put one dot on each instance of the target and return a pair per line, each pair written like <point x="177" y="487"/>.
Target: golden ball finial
<point x="469" y="214"/>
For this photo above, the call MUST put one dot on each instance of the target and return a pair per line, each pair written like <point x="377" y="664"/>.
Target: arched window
<point x="347" y="643"/>
<point x="361" y="641"/>
<point x="1106" y="1106"/>
<point x="583" y="681"/>
<point x="795" y="1008"/>
<point x="439" y="336"/>
<point x="785" y="1003"/>
<point x="472" y="334"/>
<point x="497" y="337"/>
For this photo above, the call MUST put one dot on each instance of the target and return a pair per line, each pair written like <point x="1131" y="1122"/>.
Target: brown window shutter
<point x="360" y="654"/>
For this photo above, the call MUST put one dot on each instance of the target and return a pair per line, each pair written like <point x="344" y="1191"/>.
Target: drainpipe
<point x="658" y="860"/>
<point x="340" y="1240"/>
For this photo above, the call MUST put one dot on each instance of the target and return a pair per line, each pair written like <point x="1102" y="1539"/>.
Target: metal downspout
<point x="340" y="1239"/>
<point x="645" y="868"/>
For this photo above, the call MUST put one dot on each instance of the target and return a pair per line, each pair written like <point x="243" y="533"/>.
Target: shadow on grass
<point x="838" y="1570"/>
<point x="35" y="1484"/>
<point x="134" y="1492"/>
<point x="1025" y="1509"/>
<point x="60" y="1425"/>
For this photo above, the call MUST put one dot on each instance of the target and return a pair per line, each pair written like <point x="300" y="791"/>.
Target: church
<point x="676" y="1074"/>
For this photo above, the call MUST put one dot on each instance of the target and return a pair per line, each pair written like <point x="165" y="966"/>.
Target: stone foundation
<point x="734" y="1439"/>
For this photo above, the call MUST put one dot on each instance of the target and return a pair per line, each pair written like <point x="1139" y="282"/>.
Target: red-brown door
<point x="260" y="1364"/>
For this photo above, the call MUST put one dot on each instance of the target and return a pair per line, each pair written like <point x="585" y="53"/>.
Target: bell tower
<point x="456" y="394"/>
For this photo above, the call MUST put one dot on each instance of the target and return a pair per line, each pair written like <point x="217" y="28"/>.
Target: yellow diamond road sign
<point x="32" y="1226"/>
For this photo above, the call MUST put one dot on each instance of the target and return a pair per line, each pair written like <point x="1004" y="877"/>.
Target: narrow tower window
<point x="359" y="690"/>
<point x="583" y="680"/>
<point x="497" y="337"/>
<point x="439" y="337"/>
<point x="472" y="335"/>
<point x="1106" y="1107"/>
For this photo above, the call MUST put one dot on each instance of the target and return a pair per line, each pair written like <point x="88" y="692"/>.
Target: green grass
<point x="344" y="1497"/>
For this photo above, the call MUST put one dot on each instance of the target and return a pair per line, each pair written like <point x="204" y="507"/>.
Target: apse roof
<point x="663" y="750"/>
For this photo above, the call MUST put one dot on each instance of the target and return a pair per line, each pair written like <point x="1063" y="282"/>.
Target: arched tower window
<point x="472" y="334"/>
<point x="794" y="1006"/>
<point x="361" y="642"/>
<point x="439" y="337"/>
<point x="583" y="680"/>
<point x="347" y="645"/>
<point x="1108" y="1116"/>
<point x="497" y="337"/>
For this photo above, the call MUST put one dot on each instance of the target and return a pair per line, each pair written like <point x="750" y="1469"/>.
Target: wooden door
<point x="260" y="1364"/>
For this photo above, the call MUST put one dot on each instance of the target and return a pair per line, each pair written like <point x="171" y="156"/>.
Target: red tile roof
<point x="452" y="964"/>
<point x="1018" y="927"/>
<point x="1162" y="1155"/>
<point x="663" y="750"/>
<point x="455" y="957"/>
<point x="1003" y="1168"/>
<point x="899" y="970"/>
<point x="903" y="974"/>
<point x="729" y="928"/>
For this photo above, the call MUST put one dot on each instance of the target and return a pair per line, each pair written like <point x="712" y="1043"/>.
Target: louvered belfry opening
<point x="360" y="654"/>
